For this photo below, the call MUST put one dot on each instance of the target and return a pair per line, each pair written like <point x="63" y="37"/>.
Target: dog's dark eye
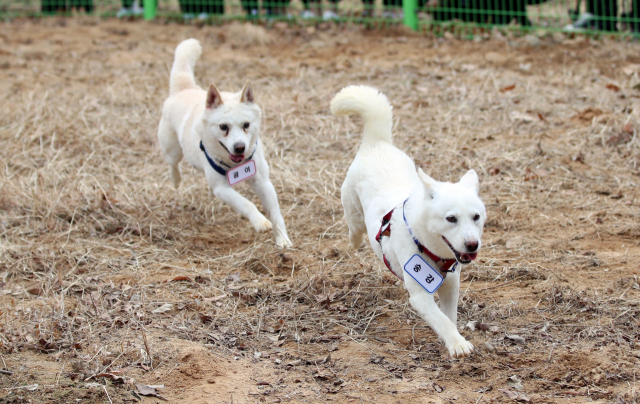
<point x="224" y="128"/>
<point x="452" y="219"/>
<point x="246" y="125"/>
<point x="476" y="217"/>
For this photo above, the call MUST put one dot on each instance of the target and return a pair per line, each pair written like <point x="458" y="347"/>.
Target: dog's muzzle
<point x="463" y="258"/>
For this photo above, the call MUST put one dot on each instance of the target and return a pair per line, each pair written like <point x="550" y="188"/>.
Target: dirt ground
<point x="113" y="281"/>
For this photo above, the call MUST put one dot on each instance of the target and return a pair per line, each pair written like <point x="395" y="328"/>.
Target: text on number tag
<point x="242" y="172"/>
<point x="423" y="273"/>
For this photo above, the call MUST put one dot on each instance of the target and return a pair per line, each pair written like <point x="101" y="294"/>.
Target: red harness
<point x="385" y="230"/>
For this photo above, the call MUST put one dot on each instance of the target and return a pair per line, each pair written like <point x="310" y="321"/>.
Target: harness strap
<point x="216" y="167"/>
<point x="385" y="230"/>
<point x="445" y="265"/>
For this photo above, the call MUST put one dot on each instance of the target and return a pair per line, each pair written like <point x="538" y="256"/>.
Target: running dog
<point x="218" y="133"/>
<point x="436" y="225"/>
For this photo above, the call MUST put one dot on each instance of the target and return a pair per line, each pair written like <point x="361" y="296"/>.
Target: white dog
<point x="416" y="225"/>
<point x="218" y="133"/>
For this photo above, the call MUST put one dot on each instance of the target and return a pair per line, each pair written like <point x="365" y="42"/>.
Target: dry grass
<point x="107" y="269"/>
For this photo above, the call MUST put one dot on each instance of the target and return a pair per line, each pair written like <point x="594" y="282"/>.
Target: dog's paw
<point x="261" y="224"/>
<point x="346" y="248"/>
<point x="283" y="242"/>
<point x="460" y="348"/>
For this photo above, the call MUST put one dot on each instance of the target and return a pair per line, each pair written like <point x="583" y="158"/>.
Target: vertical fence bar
<point x="149" y="9"/>
<point x="410" y="10"/>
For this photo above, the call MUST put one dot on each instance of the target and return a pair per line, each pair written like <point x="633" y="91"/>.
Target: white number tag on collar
<point x="242" y="172"/>
<point x="423" y="273"/>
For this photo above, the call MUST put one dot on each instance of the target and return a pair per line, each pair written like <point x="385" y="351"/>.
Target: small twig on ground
<point x="60" y="373"/>
<point x="107" y="393"/>
<point x="146" y="347"/>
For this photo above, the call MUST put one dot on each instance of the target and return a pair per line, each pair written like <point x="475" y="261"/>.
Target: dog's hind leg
<point x="170" y="145"/>
<point x="353" y="215"/>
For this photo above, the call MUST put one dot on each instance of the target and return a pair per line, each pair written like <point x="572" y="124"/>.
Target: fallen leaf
<point x="36" y="291"/>
<point x="114" y="378"/>
<point x="163" y="309"/>
<point x="180" y="279"/>
<point x="519" y="116"/>
<point x="149" y="391"/>
<point x="629" y="70"/>
<point x="514" y="242"/>
<point x="507" y="88"/>
<point x="323" y="374"/>
<point x="482" y="327"/>
<point x="514" y="396"/>
<point x="628" y="128"/>
<point x="511" y="394"/>
<point x="529" y="175"/>
<point x="515" y="383"/>
<point x="613" y="87"/>
<point x="214" y="299"/>
<point x="589" y="113"/>
<point x="205" y="318"/>
<point x="516" y="338"/>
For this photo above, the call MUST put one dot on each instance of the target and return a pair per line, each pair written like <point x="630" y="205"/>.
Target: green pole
<point x="149" y="9"/>
<point x="409" y="8"/>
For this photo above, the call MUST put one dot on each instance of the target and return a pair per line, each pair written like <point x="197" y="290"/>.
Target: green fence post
<point x="149" y="9"/>
<point x="409" y="8"/>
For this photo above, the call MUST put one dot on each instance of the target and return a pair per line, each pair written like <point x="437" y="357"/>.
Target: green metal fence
<point x="593" y="16"/>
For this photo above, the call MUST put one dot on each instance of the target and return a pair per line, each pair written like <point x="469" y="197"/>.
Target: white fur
<point x="191" y="114"/>
<point x="380" y="178"/>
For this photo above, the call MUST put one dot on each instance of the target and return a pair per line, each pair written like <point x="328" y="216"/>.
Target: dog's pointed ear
<point x="247" y="92"/>
<point x="427" y="181"/>
<point x="470" y="180"/>
<point x="213" y="97"/>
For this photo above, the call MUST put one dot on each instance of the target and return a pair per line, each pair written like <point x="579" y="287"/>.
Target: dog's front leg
<point x="263" y="187"/>
<point x="239" y="203"/>
<point x="449" y="293"/>
<point x="427" y="308"/>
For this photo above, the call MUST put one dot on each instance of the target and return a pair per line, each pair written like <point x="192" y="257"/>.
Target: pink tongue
<point x="236" y="158"/>
<point x="469" y="257"/>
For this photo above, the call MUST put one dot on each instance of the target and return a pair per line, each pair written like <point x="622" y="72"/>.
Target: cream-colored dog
<point x="218" y="133"/>
<point x="419" y="227"/>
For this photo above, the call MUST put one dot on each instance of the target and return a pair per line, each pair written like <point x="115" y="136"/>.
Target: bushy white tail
<point x="371" y="105"/>
<point x="187" y="53"/>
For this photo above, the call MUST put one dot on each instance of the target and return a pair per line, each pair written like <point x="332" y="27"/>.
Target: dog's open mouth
<point x="236" y="158"/>
<point x="461" y="258"/>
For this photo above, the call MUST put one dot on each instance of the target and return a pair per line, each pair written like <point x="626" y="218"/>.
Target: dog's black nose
<point x="472" y="246"/>
<point x="238" y="148"/>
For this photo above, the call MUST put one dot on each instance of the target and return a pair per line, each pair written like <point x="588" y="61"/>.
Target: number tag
<point x="423" y="273"/>
<point x="242" y="172"/>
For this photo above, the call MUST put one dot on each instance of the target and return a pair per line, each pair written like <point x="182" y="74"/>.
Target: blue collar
<point x="216" y="167"/>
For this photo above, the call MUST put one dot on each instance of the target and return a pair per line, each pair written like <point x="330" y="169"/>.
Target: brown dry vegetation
<point x="111" y="278"/>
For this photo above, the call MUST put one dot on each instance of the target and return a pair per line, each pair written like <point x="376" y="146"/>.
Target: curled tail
<point x="371" y="105"/>
<point x="187" y="53"/>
